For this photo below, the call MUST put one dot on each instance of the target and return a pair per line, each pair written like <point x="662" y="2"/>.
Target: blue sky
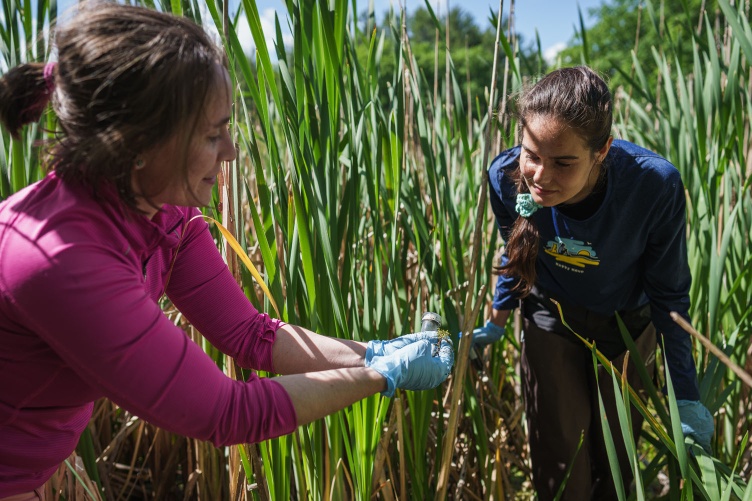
<point x="555" y="20"/>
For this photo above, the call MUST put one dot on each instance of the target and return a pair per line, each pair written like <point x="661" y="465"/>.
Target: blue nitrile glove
<point x="489" y="333"/>
<point x="378" y="348"/>
<point x="696" y="421"/>
<point x="413" y="367"/>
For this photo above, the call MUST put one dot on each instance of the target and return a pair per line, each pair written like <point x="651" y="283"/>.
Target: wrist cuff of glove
<point x="492" y="327"/>
<point x="369" y="354"/>
<point x="389" y="392"/>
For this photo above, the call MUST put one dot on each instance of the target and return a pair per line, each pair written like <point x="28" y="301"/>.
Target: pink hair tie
<point x="49" y="76"/>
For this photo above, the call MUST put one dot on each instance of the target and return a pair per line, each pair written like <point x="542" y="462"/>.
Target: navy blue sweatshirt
<point x="631" y="251"/>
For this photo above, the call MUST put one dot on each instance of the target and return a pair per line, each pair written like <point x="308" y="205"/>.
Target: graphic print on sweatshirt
<point x="572" y="252"/>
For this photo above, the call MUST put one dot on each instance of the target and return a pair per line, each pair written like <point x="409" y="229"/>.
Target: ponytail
<point x="25" y="92"/>
<point x="522" y="247"/>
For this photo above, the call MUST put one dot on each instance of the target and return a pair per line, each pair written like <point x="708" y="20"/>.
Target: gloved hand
<point x="487" y="334"/>
<point x="696" y="421"/>
<point x="412" y="367"/>
<point x="378" y="348"/>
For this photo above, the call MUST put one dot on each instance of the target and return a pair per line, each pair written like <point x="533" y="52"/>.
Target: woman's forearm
<point x="318" y="394"/>
<point x="297" y="350"/>
<point x="499" y="317"/>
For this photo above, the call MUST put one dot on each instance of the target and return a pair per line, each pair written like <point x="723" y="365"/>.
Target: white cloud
<point x="268" y="26"/>
<point x="549" y="54"/>
<point x="245" y="37"/>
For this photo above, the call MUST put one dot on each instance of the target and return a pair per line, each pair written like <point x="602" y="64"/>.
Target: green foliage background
<point x="357" y="189"/>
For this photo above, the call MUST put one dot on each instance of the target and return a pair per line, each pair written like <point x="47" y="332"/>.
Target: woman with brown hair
<point x="143" y="101"/>
<point x="598" y="225"/>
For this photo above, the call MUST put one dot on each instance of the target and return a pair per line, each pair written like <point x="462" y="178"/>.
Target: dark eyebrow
<point x="221" y="122"/>
<point x="563" y="157"/>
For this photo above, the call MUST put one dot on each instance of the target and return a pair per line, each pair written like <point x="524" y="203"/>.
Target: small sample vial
<point x="430" y="321"/>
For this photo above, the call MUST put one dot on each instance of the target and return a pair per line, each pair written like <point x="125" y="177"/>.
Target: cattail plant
<point x="358" y="205"/>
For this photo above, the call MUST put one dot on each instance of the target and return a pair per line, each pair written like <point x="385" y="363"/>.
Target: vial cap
<point x="430" y="321"/>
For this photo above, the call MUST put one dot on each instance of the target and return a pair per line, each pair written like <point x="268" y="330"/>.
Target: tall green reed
<point x="703" y="128"/>
<point x="698" y="118"/>
<point x="358" y="206"/>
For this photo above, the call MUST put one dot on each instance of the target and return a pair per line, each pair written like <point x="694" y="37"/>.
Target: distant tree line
<point x="625" y="25"/>
<point x="619" y="27"/>
<point x="471" y="48"/>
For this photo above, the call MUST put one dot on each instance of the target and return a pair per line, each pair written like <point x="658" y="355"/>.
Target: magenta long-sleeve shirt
<point x="79" y="283"/>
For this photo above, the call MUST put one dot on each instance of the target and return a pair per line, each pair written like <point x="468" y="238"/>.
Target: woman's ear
<point x="601" y="154"/>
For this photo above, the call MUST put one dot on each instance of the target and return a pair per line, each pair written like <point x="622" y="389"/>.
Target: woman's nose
<point x="228" y="149"/>
<point x="540" y="175"/>
<point x="232" y="153"/>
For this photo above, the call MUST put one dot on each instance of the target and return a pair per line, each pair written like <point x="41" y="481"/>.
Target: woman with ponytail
<point x="597" y="225"/>
<point x="143" y="100"/>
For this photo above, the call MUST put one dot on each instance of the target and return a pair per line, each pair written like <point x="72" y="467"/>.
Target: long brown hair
<point x="579" y="98"/>
<point x="127" y="79"/>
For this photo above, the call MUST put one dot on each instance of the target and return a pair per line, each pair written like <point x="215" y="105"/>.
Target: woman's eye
<point x="562" y="164"/>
